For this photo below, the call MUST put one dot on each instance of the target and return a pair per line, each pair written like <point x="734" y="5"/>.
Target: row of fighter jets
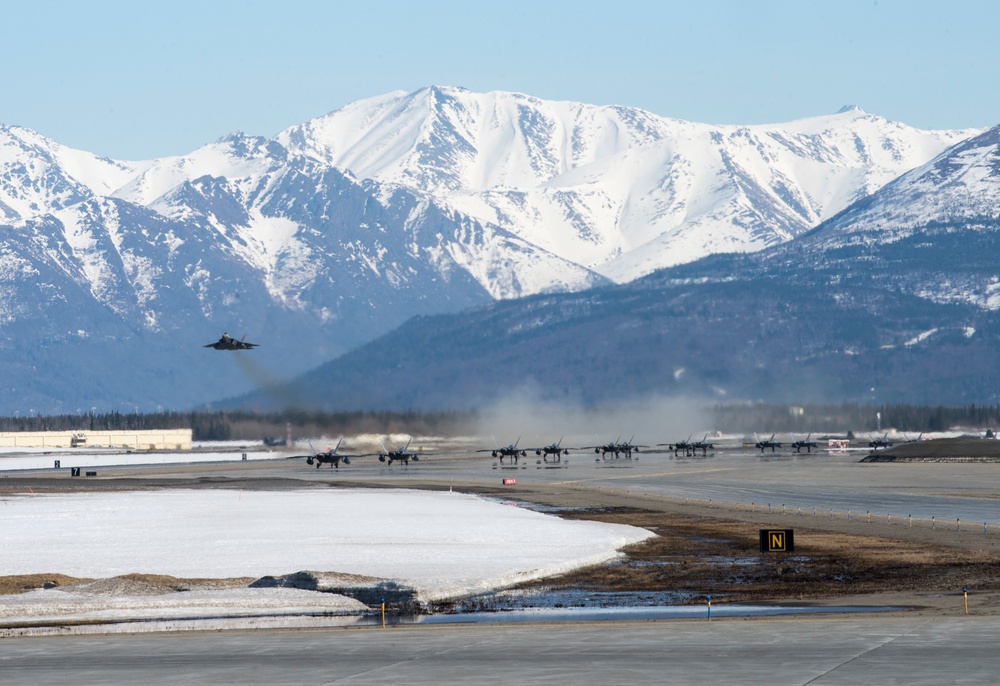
<point x="334" y="457"/>
<point x="616" y="449"/>
<point x="874" y="443"/>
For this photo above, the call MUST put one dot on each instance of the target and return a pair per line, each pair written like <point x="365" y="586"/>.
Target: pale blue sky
<point x="134" y="80"/>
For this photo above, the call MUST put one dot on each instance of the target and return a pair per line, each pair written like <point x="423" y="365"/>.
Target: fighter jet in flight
<point x="227" y="342"/>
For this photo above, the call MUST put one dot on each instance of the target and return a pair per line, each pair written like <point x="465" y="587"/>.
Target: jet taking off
<point x="331" y="457"/>
<point x="400" y="455"/>
<point x="227" y="342"/>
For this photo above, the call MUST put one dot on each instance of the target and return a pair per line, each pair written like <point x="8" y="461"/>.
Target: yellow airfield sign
<point x="777" y="540"/>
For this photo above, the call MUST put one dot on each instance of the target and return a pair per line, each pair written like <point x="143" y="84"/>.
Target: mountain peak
<point x="851" y="109"/>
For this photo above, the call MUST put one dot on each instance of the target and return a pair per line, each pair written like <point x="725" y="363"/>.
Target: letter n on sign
<point x="777" y="540"/>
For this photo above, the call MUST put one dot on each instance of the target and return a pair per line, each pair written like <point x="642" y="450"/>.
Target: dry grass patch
<point x="22" y="583"/>
<point x="720" y="557"/>
<point x="126" y="584"/>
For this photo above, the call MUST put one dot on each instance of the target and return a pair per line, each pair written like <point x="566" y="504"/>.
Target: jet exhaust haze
<point x="653" y="419"/>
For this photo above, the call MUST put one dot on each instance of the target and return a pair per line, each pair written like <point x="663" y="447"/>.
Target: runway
<point x="815" y="651"/>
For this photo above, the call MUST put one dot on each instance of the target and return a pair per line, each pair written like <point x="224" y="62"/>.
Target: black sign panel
<point x="777" y="540"/>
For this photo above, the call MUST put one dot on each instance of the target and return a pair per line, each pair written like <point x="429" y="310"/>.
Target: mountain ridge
<point x="853" y="311"/>
<point x="135" y="265"/>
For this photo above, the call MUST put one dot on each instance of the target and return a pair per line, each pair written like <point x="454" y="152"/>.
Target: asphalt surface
<point x="761" y="651"/>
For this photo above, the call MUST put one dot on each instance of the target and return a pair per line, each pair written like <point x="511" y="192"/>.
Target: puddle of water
<point x="590" y="614"/>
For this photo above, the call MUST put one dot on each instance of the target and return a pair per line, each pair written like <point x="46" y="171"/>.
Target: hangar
<point x="155" y="439"/>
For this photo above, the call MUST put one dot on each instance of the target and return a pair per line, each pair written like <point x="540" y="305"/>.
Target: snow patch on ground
<point x="440" y="544"/>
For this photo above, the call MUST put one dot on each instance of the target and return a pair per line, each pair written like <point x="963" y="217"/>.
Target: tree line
<point x="253" y="426"/>
<point x="250" y="426"/>
<point x="855" y="417"/>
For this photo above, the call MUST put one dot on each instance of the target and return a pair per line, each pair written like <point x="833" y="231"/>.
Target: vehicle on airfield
<point x="227" y="342"/>
<point x="554" y="449"/>
<point x="764" y="445"/>
<point x="876" y="443"/>
<point x="807" y="444"/>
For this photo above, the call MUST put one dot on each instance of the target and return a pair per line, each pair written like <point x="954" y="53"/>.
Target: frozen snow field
<point x="440" y="544"/>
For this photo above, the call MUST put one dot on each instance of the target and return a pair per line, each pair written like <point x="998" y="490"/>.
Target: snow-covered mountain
<point x="932" y="233"/>
<point x="146" y="261"/>
<point x="617" y="189"/>
<point x="896" y="299"/>
<point x="337" y="230"/>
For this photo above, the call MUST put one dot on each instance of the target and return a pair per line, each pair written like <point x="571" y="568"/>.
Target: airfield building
<point x="158" y="439"/>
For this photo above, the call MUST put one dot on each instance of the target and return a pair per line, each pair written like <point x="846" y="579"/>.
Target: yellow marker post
<point x="710" y="608"/>
<point x="383" y="613"/>
<point x="965" y="594"/>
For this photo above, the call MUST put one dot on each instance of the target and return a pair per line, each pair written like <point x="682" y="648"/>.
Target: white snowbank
<point x="441" y="544"/>
<point x="18" y="459"/>
<point x="52" y="605"/>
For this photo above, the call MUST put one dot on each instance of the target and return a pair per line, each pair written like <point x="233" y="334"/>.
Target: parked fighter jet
<point x="227" y="342"/>
<point x="604" y="449"/>
<point x="703" y="445"/>
<point x="769" y="443"/>
<point x="617" y="448"/>
<point x="684" y="445"/>
<point x="807" y="444"/>
<point x="628" y="447"/>
<point x="876" y="443"/>
<point x="510" y="451"/>
<point x="554" y="449"/>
